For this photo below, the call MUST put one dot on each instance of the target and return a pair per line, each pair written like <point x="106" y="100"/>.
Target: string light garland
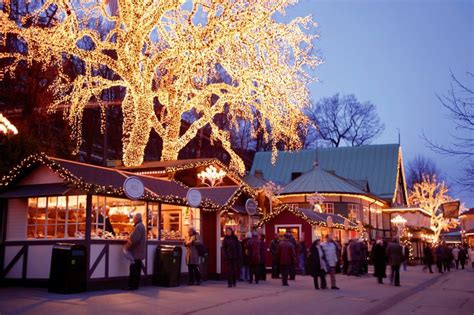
<point x="211" y="176"/>
<point x="79" y="183"/>
<point x="195" y="59"/>
<point x="6" y="127"/>
<point x="293" y="210"/>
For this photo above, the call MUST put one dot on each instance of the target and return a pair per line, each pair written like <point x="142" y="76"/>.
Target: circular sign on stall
<point x="133" y="187"/>
<point x="251" y="206"/>
<point x="194" y="197"/>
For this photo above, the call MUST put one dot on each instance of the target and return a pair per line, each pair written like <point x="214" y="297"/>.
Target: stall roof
<point x="313" y="218"/>
<point x="218" y="195"/>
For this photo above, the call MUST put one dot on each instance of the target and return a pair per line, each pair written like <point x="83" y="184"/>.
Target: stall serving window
<point x="112" y="218"/>
<point x="353" y="212"/>
<point x="175" y="221"/>
<point x="328" y="207"/>
<point x="56" y="217"/>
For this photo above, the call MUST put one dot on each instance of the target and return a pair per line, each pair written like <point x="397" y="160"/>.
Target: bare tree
<point x="459" y="102"/>
<point x="344" y="120"/>
<point x="418" y="167"/>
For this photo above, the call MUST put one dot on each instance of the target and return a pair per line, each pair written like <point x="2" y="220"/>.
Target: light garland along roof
<point x="313" y="218"/>
<point x="377" y="164"/>
<point x="101" y="180"/>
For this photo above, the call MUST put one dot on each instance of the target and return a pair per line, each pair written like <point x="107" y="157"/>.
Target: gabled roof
<point x="377" y="164"/>
<point x="319" y="180"/>
<point x="254" y="181"/>
<point x="468" y="212"/>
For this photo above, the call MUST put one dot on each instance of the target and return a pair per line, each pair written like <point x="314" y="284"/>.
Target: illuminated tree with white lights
<point x="180" y="64"/>
<point x="430" y="195"/>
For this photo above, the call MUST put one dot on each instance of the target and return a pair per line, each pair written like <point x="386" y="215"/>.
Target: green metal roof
<point x="321" y="181"/>
<point x="375" y="163"/>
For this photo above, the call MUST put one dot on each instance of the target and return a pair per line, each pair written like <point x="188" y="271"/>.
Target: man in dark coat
<point x="440" y="253"/>
<point x="273" y="251"/>
<point x="136" y="244"/>
<point x="232" y="256"/>
<point x="316" y="263"/>
<point x="355" y="255"/>
<point x="379" y="261"/>
<point x="286" y="257"/>
<point x="428" y="258"/>
<point x="263" y="250"/>
<point x="253" y="248"/>
<point x="395" y="259"/>
<point x="462" y="256"/>
<point x="293" y="265"/>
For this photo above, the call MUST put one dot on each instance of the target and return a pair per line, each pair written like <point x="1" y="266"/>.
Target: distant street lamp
<point x="399" y="222"/>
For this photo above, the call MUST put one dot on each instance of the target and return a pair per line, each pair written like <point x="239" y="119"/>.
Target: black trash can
<point x="167" y="266"/>
<point x="68" y="273"/>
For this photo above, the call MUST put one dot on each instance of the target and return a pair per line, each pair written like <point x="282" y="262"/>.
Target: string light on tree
<point x="173" y="61"/>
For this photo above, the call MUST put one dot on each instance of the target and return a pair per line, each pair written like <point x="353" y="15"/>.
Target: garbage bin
<point x="167" y="266"/>
<point x="68" y="273"/>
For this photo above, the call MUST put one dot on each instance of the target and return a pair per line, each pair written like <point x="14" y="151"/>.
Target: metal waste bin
<point x="167" y="266"/>
<point x="68" y="273"/>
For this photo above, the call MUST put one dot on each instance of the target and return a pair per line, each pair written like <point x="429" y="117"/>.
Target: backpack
<point x="201" y="249"/>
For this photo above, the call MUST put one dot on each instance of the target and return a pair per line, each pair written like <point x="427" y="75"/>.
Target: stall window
<point x="112" y="218"/>
<point x="353" y="212"/>
<point x="328" y="207"/>
<point x="373" y="217"/>
<point x="379" y="219"/>
<point x="292" y="229"/>
<point x="56" y="217"/>
<point x="153" y="221"/>
<point x="174" y="221"/>
<point x="365" y="215"/>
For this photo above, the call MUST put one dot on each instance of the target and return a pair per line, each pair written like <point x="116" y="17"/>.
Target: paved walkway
<point x="420" y="293"/>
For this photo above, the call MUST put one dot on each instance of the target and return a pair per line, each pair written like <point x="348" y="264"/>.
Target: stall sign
<point x="194" y="198"/>
<point x="133" y="187"/>
<point x="451" y="209"/>
<point x="251" y="206"/>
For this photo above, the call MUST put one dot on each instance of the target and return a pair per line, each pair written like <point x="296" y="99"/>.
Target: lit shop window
<point x="56" y="217"/>
<point x="153" y="221"/>
<point x="373" y="217"/>
<point x="365" y="215"/>
<point x="176" y="220"/>
<point x="241" y="224"/>
<point x="353" y="212"/>
<point x="379" y="219"/>
<point x="112" y="218"/>
<point x="328" y="207"/>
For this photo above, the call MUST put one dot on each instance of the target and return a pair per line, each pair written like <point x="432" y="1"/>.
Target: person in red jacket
<point x="286" y="257"/>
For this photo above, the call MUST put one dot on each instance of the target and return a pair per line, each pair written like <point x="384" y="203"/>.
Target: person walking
<point x="428" y="257"/>
<point x="331" y="257"/>
<point x="379" y="260"/>
<point x="406" y="257"/>
<point x="447" y="258"/>
<point x="345" y="258"/>
<point x="395" y="258"/>
<point x="364" y="267"/>
<point x="439" y="255"/>
<point x="253" y="247"/>
<point x="462" y="257"/>
<point x="455" y="254"/>
<point x="232" y="255"/>
<point x="286" y="256"/>
<point x="262" y="271"/>
<point x="317" y="264"/>
<point x="355" y="255"/>
<point x="136" y="245"/>
<point x="301" y="252"/>
<point x="192" y="256"/>
<point x="471" y="256"/>
<point x="292" y="270"/>
<point x="273" y="251"/>
<point x="245" y="270"/>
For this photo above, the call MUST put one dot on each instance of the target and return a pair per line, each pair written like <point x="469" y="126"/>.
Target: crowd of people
<point x="245" y="258"/>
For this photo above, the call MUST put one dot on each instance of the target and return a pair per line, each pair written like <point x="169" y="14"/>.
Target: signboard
<point x="451" y="209"/>
<point x="133" y="187"/>
<point x="194" y="198"/>
<point x="251" y="206"/>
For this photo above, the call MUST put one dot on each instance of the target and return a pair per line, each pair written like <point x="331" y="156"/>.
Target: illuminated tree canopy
<point x="176" y="60"/>
<point x="429" y="195"/>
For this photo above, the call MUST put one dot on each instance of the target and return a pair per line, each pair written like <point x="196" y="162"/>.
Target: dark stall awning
<point x="36" y="191"/>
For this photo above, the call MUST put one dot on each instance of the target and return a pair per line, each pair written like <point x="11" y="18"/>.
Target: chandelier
<point x="211" y="176"/>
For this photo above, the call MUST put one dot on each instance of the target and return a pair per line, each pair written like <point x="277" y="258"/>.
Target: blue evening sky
<point x="399" y="55"/>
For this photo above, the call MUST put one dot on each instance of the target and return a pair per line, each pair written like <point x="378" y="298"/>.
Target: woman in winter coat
<point x="263" y="251"/>
<point x="379" y="260"/>
<point x="232" y="253"/>
<point x="317" y="264"/>
<point x="245" y="271"/>
<point x="192" y="256"/>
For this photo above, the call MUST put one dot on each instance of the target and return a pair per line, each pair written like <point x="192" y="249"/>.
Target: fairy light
<point x="203" y="59"/>
<point x="6" y="127"/>
<point x="429" y="195"/>
<point x="211" y="176"/>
